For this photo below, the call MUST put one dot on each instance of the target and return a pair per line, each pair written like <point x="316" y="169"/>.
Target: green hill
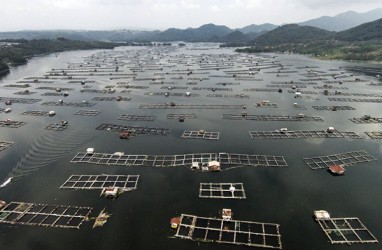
<point x="293" y="33"/>
<point x="363" y="32"/>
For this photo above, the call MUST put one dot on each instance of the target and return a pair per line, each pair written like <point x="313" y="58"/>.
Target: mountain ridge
<point x="344" y="21"/>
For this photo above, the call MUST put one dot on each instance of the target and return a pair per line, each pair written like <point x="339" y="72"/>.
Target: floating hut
<point x="336" y="170"/>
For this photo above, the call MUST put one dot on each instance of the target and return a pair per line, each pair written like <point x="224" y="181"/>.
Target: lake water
<point x="39" y="161"/>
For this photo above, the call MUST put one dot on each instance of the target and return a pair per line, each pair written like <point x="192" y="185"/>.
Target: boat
<point x="227" y="214"/>
<point x="6" y="182"/>
<point x="111" y="192"/>
<point x="336" y="169"/>
<point x="124" y="135"/>
<point x="214" y="166"/>
<point x="321" y="215"/>
<point x="101" y="218"/>
<point x="90" y="151"/>
<point x="174" y="222"/>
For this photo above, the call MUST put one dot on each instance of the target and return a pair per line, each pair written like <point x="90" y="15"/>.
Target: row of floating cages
<point x="301" y="115"/>
<point x="256" y="234"/>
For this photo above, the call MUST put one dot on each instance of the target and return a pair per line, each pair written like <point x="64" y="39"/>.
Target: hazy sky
<point x="162" y="14"/>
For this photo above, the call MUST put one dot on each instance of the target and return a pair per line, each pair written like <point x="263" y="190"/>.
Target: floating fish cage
<point x="87" y="112"/>
<point x="55" y="88"/>
<point x="222" y="190"/>
<point x="11" y="124"/>
<point x="108" y="99"/>
<point x="345" y="230"/>
<point x="58" y="126"/>
<point x="190" y="106"/>
<point x="374" y="134"/>
<point x="365" y="120"/>
<point x="201" y="134"/>
<point x="334" y="99"/>
<point x="122" y="182"/>
<point x="236" y="232"/>
<point x="225" y="159"/>
<point x="146" y="118"/>
<point x="303" y="134"/>
<point x="342" y="159"/>
<point x="182" y="115"/>
<point x="36" y="113"/>
<point x="333" y="108"/>
<point x="69" y="104"/>
<point x="35" y="214"/>
<point x="261" y="90"/>
<point x="245" y="116"/>
<point x="19" y="100"/>
<point x="134" y="130"/>
<point x="26" y="92"/>
<point x="228" y="96"/>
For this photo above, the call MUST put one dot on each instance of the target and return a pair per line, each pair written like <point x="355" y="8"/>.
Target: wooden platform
<point x="346" y="231"/>
<point x="123" y="182"/>
<point x="344" y="159"/>
<point x="201" y="134"/>
<point x="222" y="190"/>
<point x="227" y="160"/>
<point x="44" y="215"/>
<point x="236" y="232"/>
<point x="302" y="134"/>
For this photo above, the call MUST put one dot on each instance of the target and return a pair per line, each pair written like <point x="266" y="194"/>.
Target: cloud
<point x="215" y="8"/>
<point x="162" y="14"/>
<point x="322" y="4"/>
<point x="190" y="4"/>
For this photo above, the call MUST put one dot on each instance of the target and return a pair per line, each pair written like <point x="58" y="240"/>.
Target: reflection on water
<point x="39" y="159"/>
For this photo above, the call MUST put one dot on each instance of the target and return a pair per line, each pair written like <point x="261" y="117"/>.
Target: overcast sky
<point x="163" y="14"/>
